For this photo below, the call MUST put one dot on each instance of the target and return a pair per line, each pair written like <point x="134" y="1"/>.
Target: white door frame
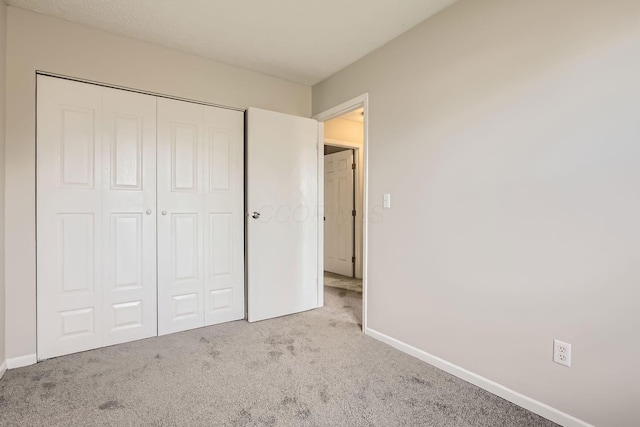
<point x="361" y="101"/>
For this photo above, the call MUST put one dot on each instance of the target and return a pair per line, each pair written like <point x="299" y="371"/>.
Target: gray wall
<point x="508" y="132"/>
<point x="3" y="45"/>
<point x="39" y="42"/>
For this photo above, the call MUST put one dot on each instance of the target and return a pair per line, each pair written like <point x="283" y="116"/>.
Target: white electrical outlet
<point x="562" y="353"/>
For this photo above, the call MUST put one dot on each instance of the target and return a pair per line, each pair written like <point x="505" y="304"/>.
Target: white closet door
<point x="69" y="217"/>
<point x="125" y="232"/>
<point x="338" y="211"/>
<point x="96" y="244"/>
<point x="223" y="189"/>
<point x="129" y="216"/>
<point x="180" y="223"/>
<point x="201" y="221"/>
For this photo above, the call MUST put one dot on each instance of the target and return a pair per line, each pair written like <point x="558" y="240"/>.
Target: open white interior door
<point x="339" y="213"/>
<point x="282" y="204"/>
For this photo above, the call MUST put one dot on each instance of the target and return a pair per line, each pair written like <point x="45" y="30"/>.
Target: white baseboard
<point x="19" y="362"/>
<point x="528" y="403"/>
<point x="3" y="368"/>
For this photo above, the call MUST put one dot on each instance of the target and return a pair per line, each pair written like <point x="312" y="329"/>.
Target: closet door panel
<point x="140" y="216"/>
<point x="69" y="217"/>
<point x="223" y="195"/>
<point x="96" y="197"/>
<point x="129" y="212"/>
<point x="180" y="222"/>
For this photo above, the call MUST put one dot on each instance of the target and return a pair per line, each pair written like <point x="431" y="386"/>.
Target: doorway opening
<point x="344" y="207"/>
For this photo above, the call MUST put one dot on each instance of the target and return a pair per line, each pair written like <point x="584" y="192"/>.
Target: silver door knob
<point x="148" y="212"/>
<point x="255" y="215"/>
<point x="164" y="212"/>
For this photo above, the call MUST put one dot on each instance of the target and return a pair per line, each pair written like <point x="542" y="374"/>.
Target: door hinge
<point x="353" y="166"/>
<point x="353" y="213"/>
<point x="353" y="259"/>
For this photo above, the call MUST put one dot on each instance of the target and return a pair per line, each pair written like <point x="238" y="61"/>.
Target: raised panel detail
<point x="77" y="147"/>
<point x="184" y="239"/>
<point x="220" y="243"/>
<point x="77" y="322"/>
<point x="185" y="305"/>
<point x="221" y="299"/>
<point x="76" y="257"/>
<point x="330" y="166"/>
<point x="126" y="250"/>
<point x="127" y="315"/>
<point x="126" y="156"/>
<point x="184" y="158"/>
<point x="219" y="159"/>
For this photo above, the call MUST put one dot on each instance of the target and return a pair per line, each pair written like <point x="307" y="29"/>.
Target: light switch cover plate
<point x="386" y="200"/>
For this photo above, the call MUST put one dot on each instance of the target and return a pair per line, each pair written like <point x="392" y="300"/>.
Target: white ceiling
<point x="303" y="41"/>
